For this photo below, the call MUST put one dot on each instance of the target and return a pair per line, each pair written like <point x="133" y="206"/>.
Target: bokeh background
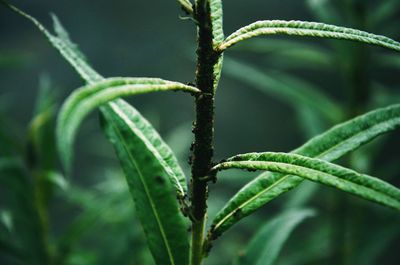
<point x="90" y="216"/>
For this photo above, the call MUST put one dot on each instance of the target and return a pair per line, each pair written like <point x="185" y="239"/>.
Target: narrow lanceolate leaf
<point x="321" y="171"/>
<point x="328" y="146"/>
<point x="154" y="195"/>
<point x="217" y="22"/>
<point x="287" y="88"/>
<point x="64" y="45"/>
<point x="311" y="29"/>
<point x="76" y="59"/>
<point x="187" y="6"/>
<point x="83" y="100"/>
<point x="266" y="245"/>
<point x="150" y="185"/>
<point x="218" y="36"/>
<point x="146" y="133"/>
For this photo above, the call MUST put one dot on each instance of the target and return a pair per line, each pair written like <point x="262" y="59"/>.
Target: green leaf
<point x="150" y="185"/>
<point x="287" y="88"/>
<point x="6" y="219"/>
<point x="186" y="5"/>
<point x="218" y="36"/>
<point x="310" y="29"/>
<point x="217" y="22"/>
<point x="28" y="234"/>
<point x="64" y="45"/>
<point x="266" y="245"/>
<point x="321" y="171"/>
<point x="329" y="146"/>
<point x="83" y="100"/>
<point x="317" y="248"/>
<point x="71" y="53"/>
<point x="167" y="204"/>
<point x="41" y="151"/>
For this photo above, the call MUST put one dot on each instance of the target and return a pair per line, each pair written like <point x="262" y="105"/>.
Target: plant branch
<point x="203" y="128"/>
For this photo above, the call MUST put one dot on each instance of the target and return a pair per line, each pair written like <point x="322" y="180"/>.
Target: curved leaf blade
<point x="217" y="22"/>
<point x="266" y="245"/>
<point x="310" y="29"/>
<point x="218" y="36"/>
<point x="187" y="6"/>
<point x="71" y="53"/>
<point x="329" y="146"/>
<point x="149" y="183"/>
<point x="76" y="59"/>
<point x="84" y="100"/>
<point x="321" y="171"/>
<point x="63" y="44"/>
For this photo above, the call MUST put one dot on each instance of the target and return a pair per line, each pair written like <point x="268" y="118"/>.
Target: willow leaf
<point x="83" y="100"/>
<point x="150" y="186"/>
<point x="64" y="45"/>
<point x="328" y="146"/>
<point x="303" y="28"/>
<point x="71" y="53"/>
<point x="187" y="6"/>
<point x="266" y="245"/>
<point x="217" y="22"/>
<point x="218" y="36"/>
<point x="41" y="149"/>
<point x="287" y="88"/>
<point x="321" y="171"/>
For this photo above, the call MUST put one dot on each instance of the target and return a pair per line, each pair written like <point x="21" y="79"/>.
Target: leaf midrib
<point x="153" y="149"/>
<point x="283" y="165"/>
<point x="146" y="189"/>
<point x="231" y="213"/>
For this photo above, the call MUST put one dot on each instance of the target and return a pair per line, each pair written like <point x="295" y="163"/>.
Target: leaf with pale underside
<point x="163" y="160"/>
<point x="329" y="146"/>
<point x="310" y="29"/>
<point x="187" y="6"/>
<point x="84" y="100"/>
<point x="217" y="22"/>
<point x="149" y="182"/>
<point x="218" y="36"/>
<point x="76" y="59"/>
<point x="321" y="171"/>
<point x="268" y="241"/>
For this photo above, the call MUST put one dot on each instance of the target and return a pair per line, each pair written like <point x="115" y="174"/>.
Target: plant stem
<point x="203" y="128"/>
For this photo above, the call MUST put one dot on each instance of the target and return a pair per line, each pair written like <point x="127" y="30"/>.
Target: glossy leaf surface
<point x="310" y="29"/>
<point x="329" y="146"/>
<point x="149" y="183"/>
